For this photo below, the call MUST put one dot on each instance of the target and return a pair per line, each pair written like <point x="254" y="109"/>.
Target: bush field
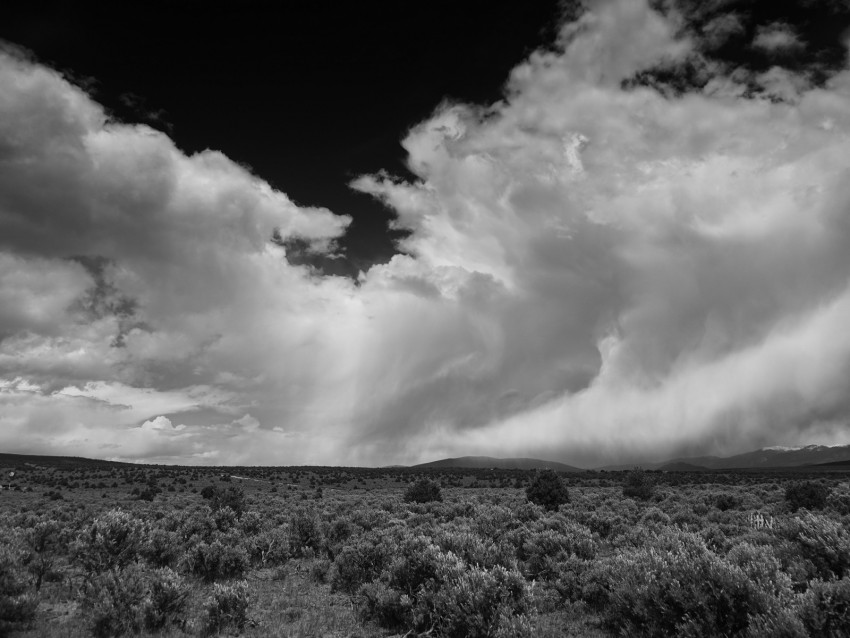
<point x="467" y="553"/>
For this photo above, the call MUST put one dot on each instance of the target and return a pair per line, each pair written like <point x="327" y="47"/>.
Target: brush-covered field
<point x="111" y="549"/>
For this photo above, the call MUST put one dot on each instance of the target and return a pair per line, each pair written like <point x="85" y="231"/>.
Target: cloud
<point x="777" y="37"/>
<point x="593" y="271"/>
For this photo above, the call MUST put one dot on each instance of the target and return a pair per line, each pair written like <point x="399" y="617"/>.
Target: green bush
<point x="358" y="563"/>
<point x="423" y="491"/>
<point x="424" y="588"/>
<point x="825" y="608"/>
<point x="675" y="586"/>
<point x="811" y="495"/>
<point x="112" y="541"/>
<point x="17" y="606"/>
<point x="305" y="535"/>
<point x="639" y="484"/>
<point x="726" y="501"/>
<point x="166" y="600"/>
<point x="227" y="608"/>
<point x="547" y="490"/>
<point x="822" y="542"/>
<point x="113" y="602"/>
<point x="543" y="551"/>
<point x="43" y="540"/>
<point x="269" y="547"/>
<point x="216" y="560"/>
<point x="161" y="548"/>
<point x="475" y="602"/>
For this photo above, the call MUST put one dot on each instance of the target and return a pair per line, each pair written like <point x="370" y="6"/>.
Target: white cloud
<point x="777" y="37"/>
<point x="590" y="272"/>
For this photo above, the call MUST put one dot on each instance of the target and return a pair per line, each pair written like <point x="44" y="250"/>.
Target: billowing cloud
<point x="777" y="37"/>
<point x="594" y="271"/>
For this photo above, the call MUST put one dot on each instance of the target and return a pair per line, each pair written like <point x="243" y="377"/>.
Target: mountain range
<point x="503" y="464"/>
<point x="810" y="456"/>
<point x="833" y="457"/>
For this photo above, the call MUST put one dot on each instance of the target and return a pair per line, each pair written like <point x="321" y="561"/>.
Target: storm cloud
<point x="594" y="270"/>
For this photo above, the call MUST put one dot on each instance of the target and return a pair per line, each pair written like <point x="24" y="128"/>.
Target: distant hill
<point x="765" y="458"/>
<point x="12" y="460"/>
<point x="502" y="464"/>
<point x="785" y="457"/>
<point x="680" y="466"/>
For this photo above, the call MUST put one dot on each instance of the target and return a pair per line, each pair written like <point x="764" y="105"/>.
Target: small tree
<point x="639" y="484"/>
<point x="809" y="494"/>
<point x="423" y="491"/>
<point x="232" y="497"/>
<point x="547" y="490"/>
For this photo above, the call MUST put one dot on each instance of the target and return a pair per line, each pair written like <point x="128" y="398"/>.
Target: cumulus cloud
<point x="777" y="37"/>
<point x="594" y="271"/>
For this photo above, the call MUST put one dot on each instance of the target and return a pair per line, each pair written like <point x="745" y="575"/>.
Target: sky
<point x="608" y="233"/>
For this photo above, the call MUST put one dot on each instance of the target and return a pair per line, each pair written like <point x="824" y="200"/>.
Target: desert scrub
<point x="673" y="586"/>
<point x="423" y="491"/>
<point x="305" y="534"/>
<point x="825" y="608"/>
<point x="166" y="599"/>
<point x="161" y="548"/>
<point x="17" y="604"/>
<point x="216" y="560"/>
<point x="547" y="490"/>
<point x="112" y="601"/>
<point x="424" y="588"/>
<point x="811" y="495"/>
<point x="544" y="550"/>
<point x="822" y="543"/>
<point x="360" y="562"/>
<point x="226" y="608"/>
<point x="112" y="541"/>
<point x="639" y="484"/>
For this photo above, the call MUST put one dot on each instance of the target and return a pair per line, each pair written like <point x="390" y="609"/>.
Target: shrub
<point x="424" y="589"/>
<point x="16" y="605"/>
<point x="825" y="608"/>
<point x="545" y="550"/>
<point x="148" y="494"/>
<point x="359" y="563"/>
<point x="726" y="501"/>
<point x="423" y="491"/>
<point x="216" y="560"/>
<point x="227" y="608"/>
<point x="166" y="600"/>
<point x="112" y="541"/>
<point x="161" y="548"/>
<point x="269" y="547"/>
<point x="823" y="542"/>
<point x="638" y="484"/>
<point x="547" y="490"/>
<point x="305" y="537"/>
<point x="112" y="602"/>
<point x="233" y="497"/>
<point x="811" y="495"/>
<point x="43" y="541"/>
<point x="675" y="586"/>
<point x="478" y="603"/>
<point x="476" y="549"/>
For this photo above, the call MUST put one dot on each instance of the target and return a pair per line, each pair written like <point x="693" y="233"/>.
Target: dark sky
<point x="309" y="93"/>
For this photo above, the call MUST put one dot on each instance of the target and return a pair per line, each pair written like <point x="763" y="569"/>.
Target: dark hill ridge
<point x="485" y="462"/>
<point x="41" y="460"/>
<point x="765" y="458"/>
<point x="776" y="457"/>
<point x="681" y="466"/>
